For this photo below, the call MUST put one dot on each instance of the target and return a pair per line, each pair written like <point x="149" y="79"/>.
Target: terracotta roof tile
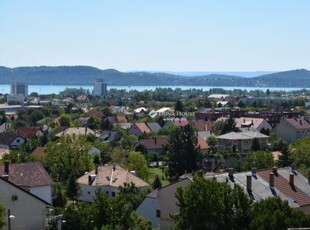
<point x="38" y="151"/>
<point x="156" y="143"/>
<point x="143" y="127"/>
<point x="31" y="174"/>
<point x="298" y="123"/>
<point x="27" y="132"/>
<point x="282" y="184"/>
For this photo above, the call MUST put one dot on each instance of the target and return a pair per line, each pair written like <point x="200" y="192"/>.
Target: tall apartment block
<point x="100" y="88"/>
<point x="19" y="88"/>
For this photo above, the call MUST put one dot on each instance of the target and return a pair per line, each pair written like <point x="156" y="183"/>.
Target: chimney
<point x="253" y="170"/>
<point x="231" y="173"/>
<point x="292" y="179"/>
<point x="271" y="180"/>
<point x="275" y="171"/>
<point x="6" y="168"/>
<point x="155" y="139"/>
<point x="114" y="166"/>
<point x="293" y="168"/>
<point x="96" y="169"/>
<point x="249" y="182"/>
<point x="244" y="120"/>
<point x="90" y="180"/>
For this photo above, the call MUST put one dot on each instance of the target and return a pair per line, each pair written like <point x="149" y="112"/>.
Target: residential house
<point x="138" y="129"/>
<point x="110" y="137"/>
<point x="241" y="141"/>
<point x="78" y="131"/>
<point x="30" y="176"/>
<point x="154" y="127"/>
<point x="28" y="210"/>
<point x="158" y="206"/>
<point x="256" y="123"/>
<point x="108" y="179"/>
<point x="203" y="145"/>
<point x="10" y="140"/>
<point x="121" y="119"/>
<point x="153" y="145"/>
<point x="176" y="122"/>
<point x="291" y="129"/>
<point x="141" y="111"/>
<point x="204" y="128"/>
<point x="286" y="183"/>
<point x="28" y="132"/>
<point x="38" y="151"/>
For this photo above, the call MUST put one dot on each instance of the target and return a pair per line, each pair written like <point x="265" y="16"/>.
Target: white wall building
<point x="100" y="88"/>
<point x="28" y="211"/>
<point x="19" y="88"/>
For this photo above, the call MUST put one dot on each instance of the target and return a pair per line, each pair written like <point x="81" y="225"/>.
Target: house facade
<point x="158" y="206"/>
<point x="10" y="140"/>
<point x="29" y="211"/>
<point x="108" y="179"/>
<point x="291" y="129"/>
<point x="241" y="141"/>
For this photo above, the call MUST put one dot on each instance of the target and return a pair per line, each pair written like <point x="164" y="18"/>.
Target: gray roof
<point x="154" y="126"/>
<point x="244" y="135"/>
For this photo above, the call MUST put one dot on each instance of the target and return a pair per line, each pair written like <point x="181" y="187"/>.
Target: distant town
<point x="154" y="159"/>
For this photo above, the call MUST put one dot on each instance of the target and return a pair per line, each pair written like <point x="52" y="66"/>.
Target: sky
<point x="161" y="35"/>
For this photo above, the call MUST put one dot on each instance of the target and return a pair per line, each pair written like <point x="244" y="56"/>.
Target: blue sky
<point x="163" y="35"/>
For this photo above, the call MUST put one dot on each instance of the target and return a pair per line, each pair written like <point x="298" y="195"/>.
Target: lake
<point x="50" y="89"/>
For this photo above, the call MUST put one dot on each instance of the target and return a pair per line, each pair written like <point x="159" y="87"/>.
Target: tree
<point x="179" y="106"/>
<point x="67" y="157"/>
<point x="255" y="145"/>
<point x="65" y="120"/>
<point x="156" y="183"/>
<point x="258" y="159"/>
<point x="72" y="189"/>
<point x="229" y="125"/>
<point x="274" y="213"/>
<point x="183" y="152"/>
<point x="208" y="204"/>
<point x="2" y="216"/>
<point x="212" y="142"/>
<point x="136" y="161"/>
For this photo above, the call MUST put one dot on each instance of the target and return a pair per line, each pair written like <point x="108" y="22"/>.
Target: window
<point x="113" y="194"/>
<point x="88" y="192"/>
<point x="107" y="192"/>
<point x="157" y="213"/>
<point x="17" y="140"/>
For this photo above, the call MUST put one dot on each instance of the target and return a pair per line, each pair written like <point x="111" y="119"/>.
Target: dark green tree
<point x="72" y="189"/>
<point x="274" y="213"/>
<point x="208" y="204"/>
<point x="255" y="145"/>
<point x="179" y="106"/>
<point x="156" y="183"/>
<point x="184" y="154"/>
<point x="229" y="125"/>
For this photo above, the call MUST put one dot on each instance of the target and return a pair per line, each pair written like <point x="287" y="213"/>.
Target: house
<point x="30" y="176"/>
<point x="154" y="126"/>
<point x="107" y="178"/>
<point x="256" y="123"/>
<point x="291" y="129"/>
<point x="140" y="111"/>
<point x="204" y="129"/>
<point x="153" y="145"/>
<point x="176" y="122"/>
<point x="29" y="132"/>
<point x="121" y="119"/>
<point x="241" y="141"/>
<point x="158" y="206"/>
<point x="28" y="209"/>
<point x="286" y="183"/>
<point x="110" y="137"/>
<point x="10" y="140"/>
<point x="203" y="145"/>
<point x="94" y="150"/>
<point x="139" y="129"/>
<point x="38" y="151"/>
<point x="78" y="131"/>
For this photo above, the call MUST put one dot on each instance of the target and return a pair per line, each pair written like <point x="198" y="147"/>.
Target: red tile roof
<point x="143" y="127"/>
<point x="156" y="143"/>
<point x="38" y="151"/>
<point x="282" y="184"/>
<point x="298" y="123"/>
<point x="202" y="143"/>
<point x="27" y="132"/>
<point x="202" y="125"/>
<point x="121" y="119"/>
<point x="31" y="174"/>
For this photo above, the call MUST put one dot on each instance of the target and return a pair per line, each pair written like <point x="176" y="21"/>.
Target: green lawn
<point x="159" y="172"/>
